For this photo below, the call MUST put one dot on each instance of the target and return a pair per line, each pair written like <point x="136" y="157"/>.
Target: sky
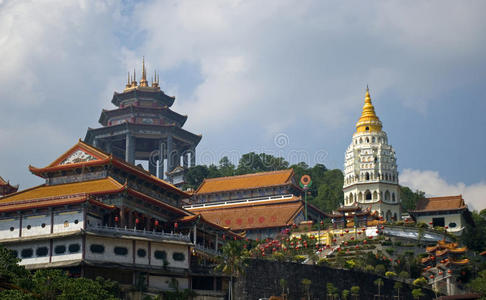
<point x="282" y="77"/>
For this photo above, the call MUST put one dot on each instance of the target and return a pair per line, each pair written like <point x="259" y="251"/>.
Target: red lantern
<point x="377" y="231"/>
<point x="235" y="238"/>
<point x="322" y="222"/>
<point x="116" y="219"/>
<point x="440" y="273"/>
<point x="430" y="223"/>
<point x="347" y="230"/>
<point x="447" y="227"/>
<point x="341" y="234"/>
<point x="449" y="271"/>
<point x="176" y="225"/>
<point x="156" y="222"/>
<point x="432" y="276"/>
<point x="357" y="247"/>
<point x="274" y="249"/>
<point x="352" y="238"/>
<point x="365" y="242"/>
<point x="370" y="237"/>
<point x="224" y="237"/>
<point x="137" y="221"/>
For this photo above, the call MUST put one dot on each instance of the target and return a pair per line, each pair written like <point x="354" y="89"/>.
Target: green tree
<point x="195" y="176"/>
<point x="283" y="285"/>
<point x="409" y="198"/>
<point x="226" y="167"/>
<point x="355" y="291"/>
<point x="306" y="283"/>
<point x="398" y="286"/>
<point x="329" y="191"/>
<point x="479" y="284"/>
<point x="473" y="236"/>
<point x="232" y="261"/>
<point x="417" y="293"/>
<point x="379" y="283"/>
<point x="345" y="294"/>
<point x="380" y="269"/>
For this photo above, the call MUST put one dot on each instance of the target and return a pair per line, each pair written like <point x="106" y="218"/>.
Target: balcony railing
<point x="136" y="232"/>
<point x="206" y="250"/>
<point x="244" y="200"/>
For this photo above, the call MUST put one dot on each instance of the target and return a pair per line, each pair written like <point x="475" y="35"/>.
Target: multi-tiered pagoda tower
<point x="370" y="167"/>
<point x="143" y="127"/>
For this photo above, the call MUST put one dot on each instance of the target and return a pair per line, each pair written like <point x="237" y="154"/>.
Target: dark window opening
<point x="120" y="251"/>
<point x="74" y="248"/>
<point x="367" y="128"/>
<point x="12" y="229"/>
<point x="43" y="225"/>
<point x="29" y="227"/>
<point x="452" y="225"/>
<point x="178" y="256"/>
<point x="438" y="222"/>
<point x="96" y="248"/>
<point x="14" y="253"/>
<point x="160" y="254"/>
<point x="60" y="249"/>
<point x="41" y="251"/>
<point x="76" y="221"/>
<point x="141" y="253"/>
<point x="27" y="253"/>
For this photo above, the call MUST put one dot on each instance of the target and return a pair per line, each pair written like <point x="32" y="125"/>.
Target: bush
<point x="322" y="262"/>
<point x="421" y="281"/>
<point x="380" y="269"/>
<point x="390" y="274"/>
<point x="299" y="258"/>
<point x="404" y="275"/>
<point x="390" y="251"/>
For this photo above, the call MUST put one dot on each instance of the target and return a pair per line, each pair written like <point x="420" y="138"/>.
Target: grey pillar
<point x="185" y="162"/>
<point x="193" y="156"/>
<point x="108" y="146"/>
<point x="152" y="167"/>
<point x="130" y="149"/>
<point x="170" y="154"/>
<point x="161" y="159"/>
<point x="96" y="143"/>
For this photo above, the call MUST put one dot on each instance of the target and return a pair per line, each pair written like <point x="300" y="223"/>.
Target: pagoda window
<point x="367" y="176"/>
<point x="438" y="222"/>
<point x="367" y="140"/>
<point x="360" y="140"/>
<point x="120" y="251"/>
<point x="11" y="228"/>
<point x="373" y="139"/>
<point x="74" y="248"/>
<point x="178" y="256"/>
<point x="141" y="252"/>
<point x="393" y="197"/>
<point x="368" y="195"/>
<point x="387" y="196"/>
<point x="452" y="225"/>
<point x="367" y="128"/>
<point x="162" y="255"/>
<point x="375" y="195"/>
<point x="360" y="196"/>
<point x="351" y="197"/>
<point x="60" y="249"/>
<point x="97" y="248"/>
<point x="27" y="253"/>
<point x="41" y="251"/>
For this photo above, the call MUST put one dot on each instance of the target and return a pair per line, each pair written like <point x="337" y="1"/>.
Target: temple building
<point x="258" y="205"/>
<point x="6" y="188"/>
<point x="144" y="128"/>
<point x="370" y="167"/>
<point x="449" y="212"/>
<point x="99" y="215"/>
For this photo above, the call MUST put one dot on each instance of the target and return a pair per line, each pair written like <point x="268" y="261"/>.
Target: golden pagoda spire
<point x="143" y="81"/>
<point x="128" y="85"/>
<point x="155" y="82"/>
<point x="368" y="121"/>
<point x="134" y="80"/>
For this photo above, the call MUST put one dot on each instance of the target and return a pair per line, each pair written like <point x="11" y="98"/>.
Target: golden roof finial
<point x="128" y="85"/>
<point x="134" y="80"/>
<point x="155" y="82"/>
<point x="368" y="121"/>
<point x="143" y="81"/>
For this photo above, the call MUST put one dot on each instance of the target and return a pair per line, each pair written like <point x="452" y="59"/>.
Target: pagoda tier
<point x="6" y="188"/>
<point x="143" y="127"/>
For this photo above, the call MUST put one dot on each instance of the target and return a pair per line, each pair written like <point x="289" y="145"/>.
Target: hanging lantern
<point x="176" y="225"/>
<point x="449" y="271"/>
<point x="224" y="237"/>
<point x="377" y="231"/>
<point x="116" y="218"/>
<point x="365" y="242"/>
<point x="156" y="222"/>
<point x="440" y="273"/>
<point x="432" y="276"/>
<point x="357" y="247"/>
<point x="137" y="221"/>
<point x="347" y="230"/>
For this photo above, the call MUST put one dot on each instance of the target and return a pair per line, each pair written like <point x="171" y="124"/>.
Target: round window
<point x="12" y="229"/>
<point x="452" y="225"/>
<point x="29" y="227"/>
<point x="178" y="256"/>
<point x="160" y="254"/>
<point x="27" y="253"/>
<point x="141" y="253"/>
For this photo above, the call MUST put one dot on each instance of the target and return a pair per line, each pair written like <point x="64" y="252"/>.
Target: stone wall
<point x="262" y="278"/>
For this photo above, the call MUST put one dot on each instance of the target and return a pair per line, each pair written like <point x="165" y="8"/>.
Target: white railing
<point x="221" y="203"/>
<point x="206" y="250"/>
<point x="133" y="231"/>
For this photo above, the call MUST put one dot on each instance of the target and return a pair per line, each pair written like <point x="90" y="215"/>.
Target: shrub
<point x="421" y="281"/>
<point x="390" y="251"/>
<point x="380" y="269"/>
<point x="390" y="274"/>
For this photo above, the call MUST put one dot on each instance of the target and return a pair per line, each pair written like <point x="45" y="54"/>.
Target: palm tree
<point x="283" y="285"/>
<point x="345" y="294"/>
<point x="232" y="262"/>
<point x="398" y="285"/>
<point x="331" y="290"/>
<point x="379" y="283"/>
<point x="355" y="292"/>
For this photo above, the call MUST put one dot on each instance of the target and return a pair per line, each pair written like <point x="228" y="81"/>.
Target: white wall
<point x="141" y="260"/>
<point x="34" y="246"/>
<point x="170" y="249"/>
<point x="68" y="255"/>
<point x="109" y="254"/>
<point x="452" y="218"/>
<point x="38" y="224"/>
<point x="5" y="225"/>
<point x="161" y="282"/>
<point x="66" y="221"/>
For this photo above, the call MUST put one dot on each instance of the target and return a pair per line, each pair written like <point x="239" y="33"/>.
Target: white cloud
<point x="260" y="62"/>
<point x="432" y="184"/>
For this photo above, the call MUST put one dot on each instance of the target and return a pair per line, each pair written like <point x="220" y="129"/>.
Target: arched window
<point x="367" y="176"/>
<point x="351" y="197"/>
<point x="388" y="215"/>
<point x="373" y="139"/>
<point x="368" y="195"/>
<point x="387" y="196"/>
<point x="375" y="195"/>
<point x="360" y="140"/>
<point x="393" y="197"/>
<point x="360" y="196"/>
<point x="367" y="128"/>
<point x="367" y="140"/>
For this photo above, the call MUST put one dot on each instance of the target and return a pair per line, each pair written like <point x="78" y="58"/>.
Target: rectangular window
<point x="438" y="222"/>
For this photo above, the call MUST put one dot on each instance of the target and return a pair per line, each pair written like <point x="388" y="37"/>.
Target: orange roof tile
<point x="64" y="190"/>
<point x="2" y="181"/>
<point x="93" y="156"/>
<point x="253" y="215"/>
<point x="440" y="203"/>
<point x="247" y="181"/>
